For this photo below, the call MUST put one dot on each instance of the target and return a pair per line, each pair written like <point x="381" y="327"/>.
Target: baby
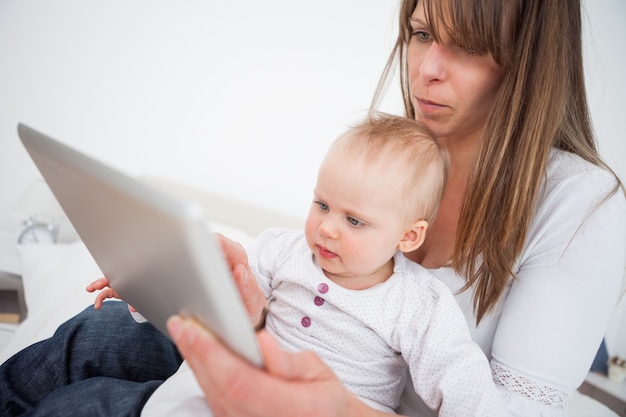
<point x="344" y="289"/>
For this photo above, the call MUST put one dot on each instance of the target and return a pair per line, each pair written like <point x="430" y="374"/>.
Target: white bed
<point x="55" y="276"/>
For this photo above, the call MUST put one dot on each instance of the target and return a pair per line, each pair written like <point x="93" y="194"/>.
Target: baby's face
<point x="356" y="220"/>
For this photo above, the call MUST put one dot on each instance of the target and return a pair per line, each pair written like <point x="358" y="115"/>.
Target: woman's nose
<point x="433" y="64"/>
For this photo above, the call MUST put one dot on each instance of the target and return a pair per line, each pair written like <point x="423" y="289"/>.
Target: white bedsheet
<point x="55" y="277"/>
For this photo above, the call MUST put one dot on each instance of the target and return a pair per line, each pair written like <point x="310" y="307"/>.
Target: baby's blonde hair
<point x="388" y="139"/>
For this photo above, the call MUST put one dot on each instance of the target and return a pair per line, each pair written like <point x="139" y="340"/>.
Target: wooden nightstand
<point x="10" y="281"/>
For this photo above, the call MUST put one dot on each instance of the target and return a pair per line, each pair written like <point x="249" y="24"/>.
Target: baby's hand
<point x="250" y="292"/>
<point x="106" y="292"/>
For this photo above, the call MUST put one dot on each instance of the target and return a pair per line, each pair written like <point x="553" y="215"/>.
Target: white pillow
<point x="54" y="279"/>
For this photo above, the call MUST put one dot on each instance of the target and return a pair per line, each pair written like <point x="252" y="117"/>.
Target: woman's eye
<point x="422" y="36"/>
<point x="468" y="50"/>
<point x="355" y="222"/>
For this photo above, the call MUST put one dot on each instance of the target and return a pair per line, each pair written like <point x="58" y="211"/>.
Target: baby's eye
<point x="323" y="206"/>
<point x="355" y="222"/>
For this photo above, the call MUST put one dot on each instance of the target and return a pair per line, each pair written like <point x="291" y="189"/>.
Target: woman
<point x="531" y="233"/>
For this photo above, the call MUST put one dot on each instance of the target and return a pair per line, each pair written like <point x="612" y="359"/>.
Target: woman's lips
<point x="429" y="106"/>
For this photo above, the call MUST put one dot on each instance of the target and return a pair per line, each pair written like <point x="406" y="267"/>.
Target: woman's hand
<point x="237" y="261"/>
<point x="102" y="285"/>
<point x="292" y="384"/>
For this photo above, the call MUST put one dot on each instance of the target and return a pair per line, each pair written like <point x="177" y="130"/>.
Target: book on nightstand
<point x="9" y="307"/>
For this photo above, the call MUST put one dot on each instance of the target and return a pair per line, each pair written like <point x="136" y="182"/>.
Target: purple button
<point x="306" y="322"/>
<point x="322" y="288"/>
<point x="318" y="301"/>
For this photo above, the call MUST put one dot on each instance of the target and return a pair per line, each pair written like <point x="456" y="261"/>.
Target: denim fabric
<point x="99" y="363"/>
<point x="601" y="361"/>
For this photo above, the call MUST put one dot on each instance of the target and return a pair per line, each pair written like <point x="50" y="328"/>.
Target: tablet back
<point x="156" y="251"/>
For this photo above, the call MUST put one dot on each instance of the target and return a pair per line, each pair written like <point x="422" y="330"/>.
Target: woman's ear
<point x="414" y="237"/>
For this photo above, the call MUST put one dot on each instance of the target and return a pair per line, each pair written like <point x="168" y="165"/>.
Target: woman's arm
<point x="291" y="384"/>
<point x="569" y="279"/>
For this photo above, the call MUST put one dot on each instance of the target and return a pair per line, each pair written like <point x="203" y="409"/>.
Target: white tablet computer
<point x="156" y="251"/>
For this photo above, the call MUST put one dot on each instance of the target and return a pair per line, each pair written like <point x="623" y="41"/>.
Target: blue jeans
<point x="99" y="363"/>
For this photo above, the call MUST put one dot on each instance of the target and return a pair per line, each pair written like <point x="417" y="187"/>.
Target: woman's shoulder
<point x="576" y="195"/>
<point x="577" y="184"/>
<point x="566" y="169"/>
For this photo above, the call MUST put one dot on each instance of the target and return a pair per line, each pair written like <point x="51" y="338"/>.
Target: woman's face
<point x="452" y="89"/>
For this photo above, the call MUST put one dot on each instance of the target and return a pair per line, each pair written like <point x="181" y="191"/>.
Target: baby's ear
<point x="414" y="237"/>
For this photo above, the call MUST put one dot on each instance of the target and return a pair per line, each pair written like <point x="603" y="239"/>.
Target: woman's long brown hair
<point x="541" y="104"/>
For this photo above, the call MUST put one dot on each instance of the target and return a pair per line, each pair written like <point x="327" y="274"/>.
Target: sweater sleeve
<point x="267" y="252"/>
<point x="449" y="371"/>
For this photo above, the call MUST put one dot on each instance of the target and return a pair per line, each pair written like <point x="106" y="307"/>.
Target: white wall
<point x="241" y="98"/>
<point x="605" y="61"/>
<point x="237" y="97"/>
